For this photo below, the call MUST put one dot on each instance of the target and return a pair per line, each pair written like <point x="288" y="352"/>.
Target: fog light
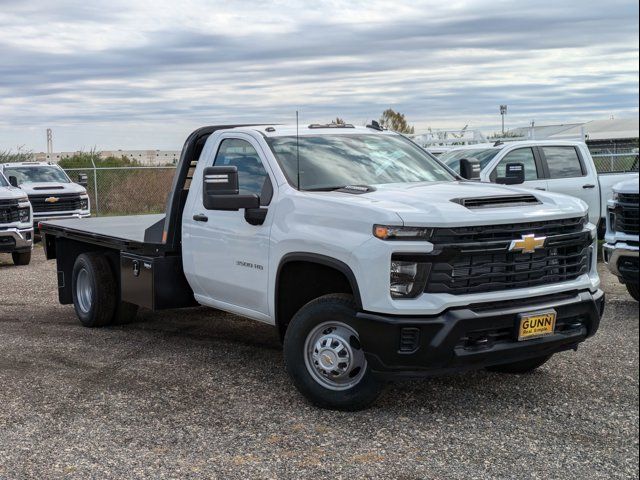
<point x="24" y="215"/>
<point x="407" y="278"/>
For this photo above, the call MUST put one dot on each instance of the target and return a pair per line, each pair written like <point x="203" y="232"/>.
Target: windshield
<point x="333" y="161"/>
<point x="3" y="181"/>
<point x="483" y="155"/>
<point x="37" y="174"/>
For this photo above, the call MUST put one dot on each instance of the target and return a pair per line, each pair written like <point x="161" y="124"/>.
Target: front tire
<point x="524" y="366"/>
<point x="324" y="358"/>
<point x="632" y="288"/>
<point x="21" y="258"/>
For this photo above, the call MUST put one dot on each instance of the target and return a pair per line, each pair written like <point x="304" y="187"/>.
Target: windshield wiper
<point x="323" y="189"/>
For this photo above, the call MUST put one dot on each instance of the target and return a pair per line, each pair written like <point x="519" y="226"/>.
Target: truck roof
<point x="29" y="164"/>
<point x="276" y="130"/>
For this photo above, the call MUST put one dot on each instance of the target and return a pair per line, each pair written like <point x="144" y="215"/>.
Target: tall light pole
<point x="503" y="112"/>
<point x="49" y="141"/>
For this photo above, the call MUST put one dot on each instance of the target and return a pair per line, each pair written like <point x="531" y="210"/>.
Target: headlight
<point x="407" y="278"/>
<point x="24" y="215"/>
<point x="84" y="203"/>
<point x="385" y="232"/>
<point x="615" y="197"/>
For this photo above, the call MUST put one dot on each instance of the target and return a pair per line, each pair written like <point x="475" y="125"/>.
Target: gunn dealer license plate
<point x="536" y="324"/>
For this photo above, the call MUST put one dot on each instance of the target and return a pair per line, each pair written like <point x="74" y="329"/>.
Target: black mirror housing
<point x="13" y="181"/>
<point x="514" y="174"/>
<point x="83" y="179"/>
<point x="220" y="190"/>
<point x="470" y="168"/>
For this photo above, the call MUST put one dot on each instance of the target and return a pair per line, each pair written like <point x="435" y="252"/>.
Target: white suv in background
<point x="51" y="192"/>
<point x="16" y="227"/>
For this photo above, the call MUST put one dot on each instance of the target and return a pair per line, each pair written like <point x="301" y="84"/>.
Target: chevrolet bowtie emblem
<point x="528" y="244"/>
<point x="51" y="199"/>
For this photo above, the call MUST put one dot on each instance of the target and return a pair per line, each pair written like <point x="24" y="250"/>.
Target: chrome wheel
<point x="333" y="356"/>
<point x="84" y="290"/>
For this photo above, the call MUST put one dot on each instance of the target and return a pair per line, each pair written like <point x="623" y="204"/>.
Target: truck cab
<point x="16" y="224"/>
<point x="371" y="258"/>
<point x="51" y="192"/>
<point x="549" y="165"/>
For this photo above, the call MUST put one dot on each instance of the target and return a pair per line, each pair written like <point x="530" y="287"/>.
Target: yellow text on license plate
<point x="538" y="324"/>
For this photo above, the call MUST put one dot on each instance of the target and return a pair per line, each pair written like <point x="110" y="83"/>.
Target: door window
<point x="252" y="176"/>
<point x="521" y="155"/>
<point x="563" y="162"/>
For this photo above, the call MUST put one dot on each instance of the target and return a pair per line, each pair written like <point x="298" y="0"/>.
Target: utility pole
<point x="49" y="141"/>
<point x="503" y="112"/>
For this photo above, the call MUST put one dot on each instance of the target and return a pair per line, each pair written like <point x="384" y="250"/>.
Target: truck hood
<point x="627" y="186"/>
<point x="12" y="193"/>
<point x="52" y="188"/>
<point x="436" y="204"/>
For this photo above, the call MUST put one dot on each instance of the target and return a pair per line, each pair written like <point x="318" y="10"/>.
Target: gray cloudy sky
<point x="127" y="74"/>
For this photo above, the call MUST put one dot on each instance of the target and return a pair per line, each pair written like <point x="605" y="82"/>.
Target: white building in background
<point x="144" y="157"/>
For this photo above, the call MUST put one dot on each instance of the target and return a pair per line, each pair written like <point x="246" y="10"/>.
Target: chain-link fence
<point x="126" y="190"/>
<point x="613" y="162"/>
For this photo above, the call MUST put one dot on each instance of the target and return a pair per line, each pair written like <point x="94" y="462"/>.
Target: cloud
<point x="98" y="70"/>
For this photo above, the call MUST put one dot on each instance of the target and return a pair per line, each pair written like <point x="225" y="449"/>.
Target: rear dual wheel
<point x="95" y="292"/>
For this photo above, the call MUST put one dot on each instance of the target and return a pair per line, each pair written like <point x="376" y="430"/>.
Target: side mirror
<point x="220" y="190"/>
<point x="514" y="174"/>
<point x="13" y="181"/>
<point x="470" y="168"/>
<point x="83" y="180"/>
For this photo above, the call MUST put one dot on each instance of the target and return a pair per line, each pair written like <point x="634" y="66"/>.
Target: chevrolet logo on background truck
<point x="527" y="244"/>
<point x="51" y="199"/>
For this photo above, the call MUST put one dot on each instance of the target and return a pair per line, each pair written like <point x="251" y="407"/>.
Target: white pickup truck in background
<point x="51" y="192"/>
<point x="557" y="166"/>
<point x="621" y="249"/>
<point x="16" y="227"/>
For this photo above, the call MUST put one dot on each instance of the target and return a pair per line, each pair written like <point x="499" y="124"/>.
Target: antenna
<point x="298" y="149"/>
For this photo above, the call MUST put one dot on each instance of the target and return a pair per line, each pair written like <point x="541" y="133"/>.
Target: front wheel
<point x="524" y="366"/>
<point x="21" y="258"/>
<point x="632" y="288"/>
<point x="324" y="358"/>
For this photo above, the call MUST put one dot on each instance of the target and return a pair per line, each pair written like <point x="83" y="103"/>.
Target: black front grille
<point x="8" y="211"/>
<point x="479" y="259"/>
<point x="64" y="203"/>
<point x="627" y="219"/>
<point x="631" y="198"/>
<point x="488" y="233"/>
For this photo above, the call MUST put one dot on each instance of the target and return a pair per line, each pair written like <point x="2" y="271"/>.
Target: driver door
<point x="230" y="257"/>
<point x="533" y="172"/>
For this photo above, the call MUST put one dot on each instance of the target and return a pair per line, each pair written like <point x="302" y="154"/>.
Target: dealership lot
<point x="202" y="393"/>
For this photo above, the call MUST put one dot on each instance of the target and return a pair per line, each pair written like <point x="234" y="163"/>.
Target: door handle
<point x="541" y="188"/>
<point x="588" y="185"/>
<point x="201" y="218"/>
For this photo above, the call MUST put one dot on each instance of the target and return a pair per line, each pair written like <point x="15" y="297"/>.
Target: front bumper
<point x="622" y="260"/>
<point x="16" y="240"/>
<point x="474" y="337"/>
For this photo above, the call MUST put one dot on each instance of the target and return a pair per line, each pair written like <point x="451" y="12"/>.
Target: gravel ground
<point x="203" y="394"/>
